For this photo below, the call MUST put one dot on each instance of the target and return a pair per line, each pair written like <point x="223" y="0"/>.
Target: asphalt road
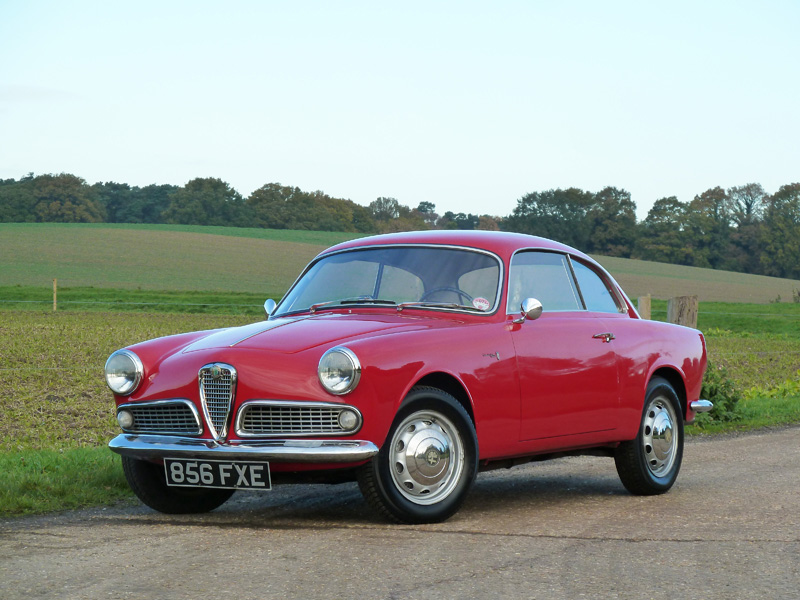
<point x="730" y="528"/>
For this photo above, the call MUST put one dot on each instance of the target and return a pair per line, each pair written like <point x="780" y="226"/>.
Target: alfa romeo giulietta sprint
<point x="408" y="363"/>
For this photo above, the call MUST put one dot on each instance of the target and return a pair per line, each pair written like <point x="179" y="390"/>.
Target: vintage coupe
<point x="409" y="362"/>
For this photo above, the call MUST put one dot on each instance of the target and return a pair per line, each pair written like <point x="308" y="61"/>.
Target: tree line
<point x="741" y="229"/>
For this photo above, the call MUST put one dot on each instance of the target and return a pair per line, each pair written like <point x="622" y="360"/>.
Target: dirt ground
<point x="730" y="528"/>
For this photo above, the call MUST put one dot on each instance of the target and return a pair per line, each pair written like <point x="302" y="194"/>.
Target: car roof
<point x="502" y="243"/>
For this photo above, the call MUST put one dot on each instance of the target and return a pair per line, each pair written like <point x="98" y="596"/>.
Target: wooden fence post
<point x="644" y="306"/>
<point x="683" y="311"/>
<point x="55" y="294"/>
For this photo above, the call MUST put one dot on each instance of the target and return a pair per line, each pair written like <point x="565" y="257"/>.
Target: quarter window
<point x="596" y="294"/>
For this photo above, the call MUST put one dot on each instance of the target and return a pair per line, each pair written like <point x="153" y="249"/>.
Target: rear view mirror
<point x="269" y="307"/>
<point x="530" y="309"/>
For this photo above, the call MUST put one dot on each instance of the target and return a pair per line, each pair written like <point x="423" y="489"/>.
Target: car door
<point x="567" y="365"/>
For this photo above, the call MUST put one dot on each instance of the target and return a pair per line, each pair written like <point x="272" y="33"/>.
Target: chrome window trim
<point x="498" y="294"/>
<point x="135" y="405"/>
<point x="222" y="434"/>
<point x="617" y="292"/>
<point x="294" y="404"/>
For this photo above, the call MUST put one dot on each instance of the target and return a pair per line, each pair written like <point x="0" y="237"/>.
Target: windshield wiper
<point x="403" y="305"/>
<point x="355" y="300"/>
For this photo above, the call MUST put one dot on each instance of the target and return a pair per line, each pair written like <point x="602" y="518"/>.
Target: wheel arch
<point x="451" y="385"/>
<point x="675" y="379"/>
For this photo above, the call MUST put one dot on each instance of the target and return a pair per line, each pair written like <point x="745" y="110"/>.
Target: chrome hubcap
<point x="427" y="457"/>
<point x="659" y="436"/>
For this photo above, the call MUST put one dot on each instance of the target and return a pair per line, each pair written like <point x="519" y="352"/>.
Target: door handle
<point x="606" y="337"/>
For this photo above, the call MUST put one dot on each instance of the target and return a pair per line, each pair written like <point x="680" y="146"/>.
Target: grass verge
<point x="42" y="481"/>
<point x="755" y="413"/>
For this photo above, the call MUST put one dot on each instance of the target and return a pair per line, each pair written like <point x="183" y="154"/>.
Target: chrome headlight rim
<point x="339" y="389"/>
<point x="135" y="375"/>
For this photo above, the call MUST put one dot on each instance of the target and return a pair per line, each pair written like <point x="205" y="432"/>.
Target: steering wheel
<point x="460" y="293"/>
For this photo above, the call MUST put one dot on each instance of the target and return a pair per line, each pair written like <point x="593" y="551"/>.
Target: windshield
<point x="431" y="277"/>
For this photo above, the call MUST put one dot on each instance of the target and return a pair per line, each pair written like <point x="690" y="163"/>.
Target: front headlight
<point x="339" y="370"/>
<point x="124" y="372"/>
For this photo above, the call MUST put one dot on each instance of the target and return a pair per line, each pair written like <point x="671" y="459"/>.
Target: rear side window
<point x="545" y="276"/>
<point x="596" y="293"/>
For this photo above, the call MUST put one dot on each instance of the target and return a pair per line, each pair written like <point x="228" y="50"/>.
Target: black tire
<point x="148" y="482"/>
<point x="428" y="462"/>
<point x="649" y="464"/>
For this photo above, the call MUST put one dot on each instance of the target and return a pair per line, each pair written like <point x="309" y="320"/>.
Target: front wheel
<point x="149" y="483"/>
<point x="650" y="463"/>
<point x="428" y="462"/>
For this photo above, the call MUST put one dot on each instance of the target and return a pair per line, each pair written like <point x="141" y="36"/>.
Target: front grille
<point x="217" y="389"/>
<point x="265" y="418"/>
<point x="178" y="417"/>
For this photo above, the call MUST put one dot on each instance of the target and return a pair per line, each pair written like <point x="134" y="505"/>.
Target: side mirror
<point x="530" y="309"/>
<point x="269" y="307"/>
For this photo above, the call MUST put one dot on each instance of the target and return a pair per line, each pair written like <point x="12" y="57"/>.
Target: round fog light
<point x="125" y="419"/>
<point x="348" y="420"/>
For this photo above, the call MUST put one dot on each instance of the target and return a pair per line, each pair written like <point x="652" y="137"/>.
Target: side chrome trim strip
<point x="319" y="451"/>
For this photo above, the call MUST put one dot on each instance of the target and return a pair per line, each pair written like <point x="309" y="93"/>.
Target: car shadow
<point x="522" y="489"/>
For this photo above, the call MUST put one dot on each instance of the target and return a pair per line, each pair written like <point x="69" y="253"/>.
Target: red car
<point x="409" y="362"/>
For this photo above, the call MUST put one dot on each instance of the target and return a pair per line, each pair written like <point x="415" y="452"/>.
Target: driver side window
<point x="545" y="276"/>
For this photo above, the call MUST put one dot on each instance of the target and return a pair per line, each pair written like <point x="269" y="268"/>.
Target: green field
<point x="122" y="284"/>
<point x="266" y="262"/>
<point x="175" y="258"/>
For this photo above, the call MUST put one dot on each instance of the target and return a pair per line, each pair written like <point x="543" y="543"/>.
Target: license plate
<point x="226" y="474"/>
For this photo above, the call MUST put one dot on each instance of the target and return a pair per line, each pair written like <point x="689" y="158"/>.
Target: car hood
<point x="291" y="335"/>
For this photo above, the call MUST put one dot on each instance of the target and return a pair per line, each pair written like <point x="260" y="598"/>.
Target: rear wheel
<point x="148" y="482"/>
<point x="650" y="463"/>
<point x="426" y="466"/>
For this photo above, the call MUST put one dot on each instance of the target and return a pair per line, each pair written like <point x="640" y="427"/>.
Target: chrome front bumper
<point x="299" y="451"/>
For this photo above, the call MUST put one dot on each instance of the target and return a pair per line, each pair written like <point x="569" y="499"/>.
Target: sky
<point x="469" y="105"/>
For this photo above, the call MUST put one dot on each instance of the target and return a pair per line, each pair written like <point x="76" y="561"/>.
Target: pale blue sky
<point x="469" y="105"/>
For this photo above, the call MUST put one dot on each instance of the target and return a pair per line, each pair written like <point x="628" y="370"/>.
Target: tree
<point x="66" y="198"/>
<point x="150" y="202"/>
<point x="17" y="201"/>
<point x="612" y="223"/>
<point x="781" y="233"/>
<point x="206" y="201"/>
<point x="557" y="214"/>
<point x="385" y="209"/>
<point x="746" y="203"/>
<point x="487" y="223"/>
<point x="428" y="212"/>
<point x="116" y="198"/>
<point x="276" y="206"/>
<point x="708" y="221"/>
<point x="662" y="235"/>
